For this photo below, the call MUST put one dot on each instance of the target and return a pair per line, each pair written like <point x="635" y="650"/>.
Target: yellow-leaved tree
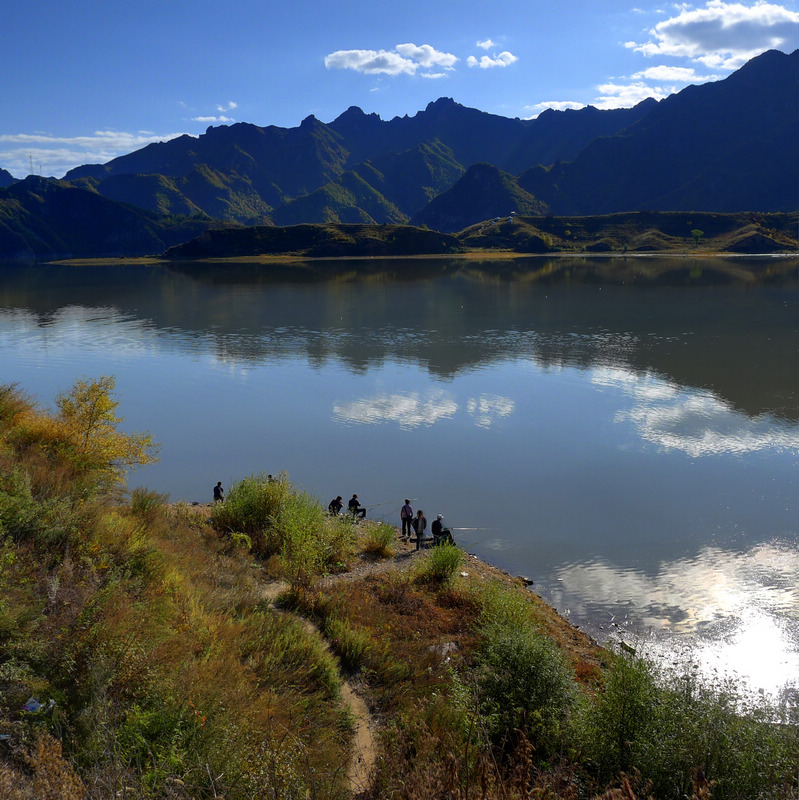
<point x="98" y="450"/>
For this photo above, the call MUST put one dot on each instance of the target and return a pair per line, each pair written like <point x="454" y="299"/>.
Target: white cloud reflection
<point x="409" y="409"/>
<point x="414" y="409"/>
<point x="697" y="423"/>
<point x="730" y="607"/>
<point x="486" y="409"/>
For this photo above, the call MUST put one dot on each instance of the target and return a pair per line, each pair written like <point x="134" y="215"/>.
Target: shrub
<point x="144" y="503"/>
<point x="379" y="540"/>
<point x="286" y="525"/>
<point x="524" y="683"/>
<point x="298" y="527"/>
<point x="710" y="724"/>
<point x="617" y="720"/>
<point x="250" y="507"/>
<point x="20" y="514"/>
<point x="100" y="453"/>
<point x="441" y="564"/>
<point x="673" y="726"/>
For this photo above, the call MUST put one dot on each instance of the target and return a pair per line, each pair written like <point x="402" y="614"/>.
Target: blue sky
<point x="89" y="80"/>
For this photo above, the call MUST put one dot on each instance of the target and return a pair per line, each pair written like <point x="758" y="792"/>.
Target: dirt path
<point x="364" y="746"/>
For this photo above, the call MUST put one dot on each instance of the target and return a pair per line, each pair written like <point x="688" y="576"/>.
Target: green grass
<point x="440" y="564"/>
<point x="287" y="525"/>
<point x="173" y="676"/>
<point x="379" y="540"/>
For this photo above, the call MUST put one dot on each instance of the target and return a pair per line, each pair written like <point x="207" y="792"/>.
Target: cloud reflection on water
<point x="697" y="423"/>
<point x="414" y="409"/>
<point x="730" y="608"/>
<point x="409" y="409"/>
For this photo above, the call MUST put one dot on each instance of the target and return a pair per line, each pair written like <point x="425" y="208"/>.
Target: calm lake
<point x="634" y="450"/>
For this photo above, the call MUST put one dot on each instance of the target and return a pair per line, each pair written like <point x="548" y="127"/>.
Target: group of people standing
<point x="419" y="525"/>
<point x="412" y="523"/>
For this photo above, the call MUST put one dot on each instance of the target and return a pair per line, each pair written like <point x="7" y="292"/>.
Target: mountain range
<point x="723" y="146"/>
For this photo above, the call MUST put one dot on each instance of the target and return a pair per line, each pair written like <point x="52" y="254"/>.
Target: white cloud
<point x="404" y="59"/>
<point x="486" y="62"/>
<point x="433" y="75"/>
<point x="426" y="56"/>
<point x="558" y="105"/>
<point x="486" y="44"/>
<point x="723" y="35"/>
<point x="676" y="74"/>
<point x="370" y="62"/>
<point x="220" y="119"/>
<point x="412" y="409"/>
<point x="55" y="155"/>
<point x="229" y="106"/>
<point x="626" y="95"/>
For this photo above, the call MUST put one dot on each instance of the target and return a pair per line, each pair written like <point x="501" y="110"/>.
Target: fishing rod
<point x="390" y="502"/>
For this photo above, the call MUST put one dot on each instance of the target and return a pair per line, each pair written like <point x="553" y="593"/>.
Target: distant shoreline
<point x="473" y="255"/>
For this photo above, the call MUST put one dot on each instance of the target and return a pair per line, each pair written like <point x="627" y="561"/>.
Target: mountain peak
<point x="351" y="114"/>
<point x="442" y="104"/>
<point x="767" y="65"/>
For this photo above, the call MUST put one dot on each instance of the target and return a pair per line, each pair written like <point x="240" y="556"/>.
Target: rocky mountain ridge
<point x="724" y="146"/>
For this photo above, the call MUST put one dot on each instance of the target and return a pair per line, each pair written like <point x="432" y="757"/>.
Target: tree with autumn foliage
<point x="97" y="448"/>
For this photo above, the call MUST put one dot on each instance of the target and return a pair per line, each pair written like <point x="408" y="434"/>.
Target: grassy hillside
<point x="639" y="232"/>
<point x="141" y="655"/>
<point x="635" y="232"/>
<point x="319" y="241"/>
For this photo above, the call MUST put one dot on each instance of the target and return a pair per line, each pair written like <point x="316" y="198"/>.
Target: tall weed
<point x="349" y="643"/>
<point x="440" y="564"/>
<point x="379" y="540"/>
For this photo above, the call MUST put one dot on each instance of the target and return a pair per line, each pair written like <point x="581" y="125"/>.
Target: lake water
<point x="634" y="450"/>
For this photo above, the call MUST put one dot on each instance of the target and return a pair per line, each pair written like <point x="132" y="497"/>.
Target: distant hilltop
<point x="726" y="146"/>
<point x="695" y="233"/>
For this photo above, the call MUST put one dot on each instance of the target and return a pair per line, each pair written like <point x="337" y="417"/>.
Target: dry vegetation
<point x="148" y="634"/>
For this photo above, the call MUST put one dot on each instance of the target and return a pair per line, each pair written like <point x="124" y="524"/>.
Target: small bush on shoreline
<point x="379" y="540"/>
<point x="440" y="564"/>
<point x="285" y="526"/>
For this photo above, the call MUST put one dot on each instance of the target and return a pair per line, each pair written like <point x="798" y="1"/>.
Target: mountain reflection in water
<point x="631" y="448"/>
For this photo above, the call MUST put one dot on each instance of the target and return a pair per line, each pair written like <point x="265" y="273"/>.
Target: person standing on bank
<point x="419" y="525"/>
<point x="356" y="508"/>
<point x="406" y="515"/>
<point x="219" y="492"/>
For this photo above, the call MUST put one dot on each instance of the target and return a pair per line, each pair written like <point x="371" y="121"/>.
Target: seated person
<point x="335" y="506"/>
<point x="441" y="535"/>
<point x="356" y="508"/>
